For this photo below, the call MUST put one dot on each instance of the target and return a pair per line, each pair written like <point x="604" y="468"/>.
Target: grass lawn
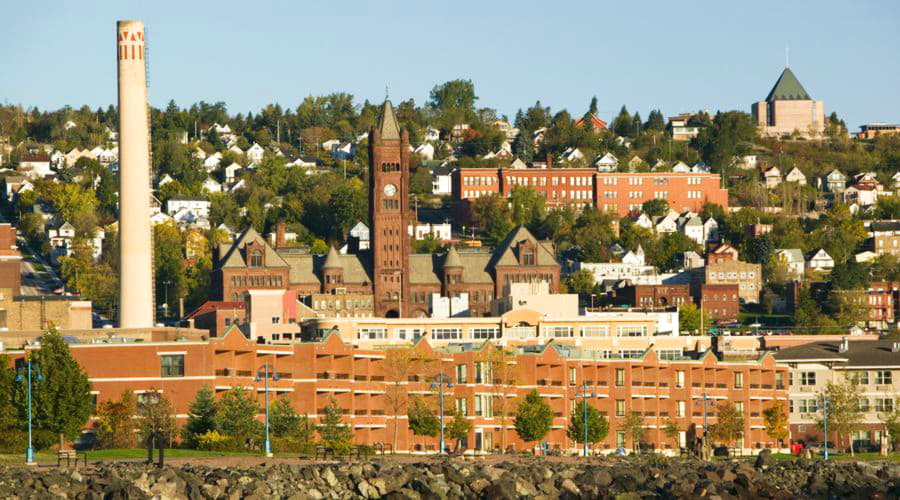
<point x="43" y="457"/>
<point x="766" y="320"/>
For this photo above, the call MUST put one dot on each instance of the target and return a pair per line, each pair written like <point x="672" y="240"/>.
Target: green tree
<point x="201" y="416"/>
<point x="454" y="101"/>
<point x="839" y="233"/>
<point x="581" y="282"/>
<point x="168" y="263"/>
<point x="729" y="426"/>
<point x="283" y="420"/>
<point x="776" y="421"/>
<point x="592" y="234"/>
<point x="633" y="427"/>
<point x="527" y="207"/>
<point x="458" y="428"/>
<point x="597" y="426"/>
<point x="333" y="432"/>
<point x="850" y="275"/>
<point x="156" y="416"/>
<point x="690" y="319"/>
<point x="533" y="417"/>
<point x="235" y="417"/>
<point x="729" y="135"/>
<point x="655" y="121"/>
<point x="491" y="214"/>
<point x="116" y="422"/>
<point x="61" y="400"/>
<point x="622" y="124"/>
<point x="664" y="253"/>
<point x="71" y="199"/>
<point x="655" y="208"/>
<point x="422" y="419"/>
<point x="671" y="430"/>
<point x="844" y="413"/>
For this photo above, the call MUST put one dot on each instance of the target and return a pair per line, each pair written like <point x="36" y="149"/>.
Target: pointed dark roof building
<point x="788" y="109"/>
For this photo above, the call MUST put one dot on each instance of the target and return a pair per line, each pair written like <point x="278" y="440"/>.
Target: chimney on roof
<point x="279" y="234"/>
<point x="845" y="344"/>
<point x="549" y="161"/>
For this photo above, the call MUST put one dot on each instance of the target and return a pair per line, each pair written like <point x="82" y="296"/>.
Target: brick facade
<point x="721" y="302"/>
<point x="654" y="295"/>
<point x="617" y="193"/>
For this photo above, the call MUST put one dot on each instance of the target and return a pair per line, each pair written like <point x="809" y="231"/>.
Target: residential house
<point x="747" y="276"/>
<point x="344" y="151"/>
<point x="772" y="177"/>
<point x="836" y="181"/>
<point x="711" y="230"/>
<point x="212" y="161"/>
<point x="643" y="220"/>
<point x="795" y="175"/>
<point x="212" y="186"/>
<point x="425" y="151"/>
<point x="241" y="184"/>
<point x="199" y="153"/>
<point x="667" y="223"/>
<point x="35" y="166"/>
<point x="571" y="154"/>
<point x="440" y="232"/>
<point x="596" y="123"/>
<point x="607" y="163"/>
<point x="681" y="167"/>
<point x="636" y="163"/>
<point x="166" y="178"/>
<point x="819" y="261"/>
<point x="431" y="134"/>
<point x="722" y="253"/>
<point x="886" y="236"/>
<point x="255" y="152"/>
<point x="863" y="194"/>
<point x="692" y="227"/>
<point x="700" y="168"/>
<point x="232" y="172"/>
<point x="197" y="204"/>
<point x="680" y="129"/>
<point x="793" y="260"/>
<point x="75" y="154"/>
<point x="442" y="180"/>
<point x="234" y="148"/>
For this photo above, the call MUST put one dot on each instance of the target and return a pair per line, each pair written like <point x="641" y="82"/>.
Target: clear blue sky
<point x="677" y="56"/>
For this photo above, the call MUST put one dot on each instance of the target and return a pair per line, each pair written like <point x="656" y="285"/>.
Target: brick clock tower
<point x="388" y="212"/>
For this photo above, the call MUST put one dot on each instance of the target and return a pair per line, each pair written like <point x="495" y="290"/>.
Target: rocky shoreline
<point x="614" y="478"/>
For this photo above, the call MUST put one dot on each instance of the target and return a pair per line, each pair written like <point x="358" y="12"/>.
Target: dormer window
<point x="528" y="258"/>
<point x="526" y="253"/>
<point x="256" y="258"/>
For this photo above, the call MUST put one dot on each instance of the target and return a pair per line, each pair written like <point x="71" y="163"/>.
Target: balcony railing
<point x="244" y="373"/>
<point x="284" y="375"/>
<point x="377" y="412"/>
<point x="754" y="386"/>
<point x="360" y="412"/>
<point x="541" y="382"/>
<point x="649" y="384"/>
<point x="556" y="383"/>
<point x="695" y="384"/>
<point x="720" y="386"/>
<point x="768" y="386"/>
<point x="602" y="383"/>
<point x="709" y="386"/>
<point x="360" y="378"/>
<point x="377" y="378"/>
<point x="664" y="384"/>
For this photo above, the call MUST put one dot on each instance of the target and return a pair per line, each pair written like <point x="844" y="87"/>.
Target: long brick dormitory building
<point x="660" y="385"/>
<point x="616" y="193"/>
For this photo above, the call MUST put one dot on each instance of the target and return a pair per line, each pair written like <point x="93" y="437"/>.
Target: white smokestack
<point x="135" y="241"/>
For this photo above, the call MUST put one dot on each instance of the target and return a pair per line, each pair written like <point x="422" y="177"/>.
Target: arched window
<point x="256" y="258"/>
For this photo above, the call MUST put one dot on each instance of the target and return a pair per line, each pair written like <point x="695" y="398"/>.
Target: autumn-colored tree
<point x="116" y="422"/>
<point x="729" y="425"/>
<point x="776" y="420"/>
<point x="399" y="365"/>
<point x="501" y="372"/>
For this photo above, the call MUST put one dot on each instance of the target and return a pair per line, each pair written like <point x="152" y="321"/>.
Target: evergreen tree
<point x="655" y="121"/>
<point x="636" y="125"/>
<point x="201" y="416"/>
<point x="334" y="433"/>
<point x="593" y="108"/>
<point x="283" y="420"/>
<point x="622" y="125"/>
<point x="523" y="147"/>
<point x="61" y="399"/>
<point x="597" y="426"/>
<point x="236" y="413"/>
<point x="533" y="417"/>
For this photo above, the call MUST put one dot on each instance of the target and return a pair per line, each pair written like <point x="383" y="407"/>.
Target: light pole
<point x="592" y="300"/>
<point x="166" y="284"/>
<point x="439" y="385"/>
<point x="276" y="378"/>
<point x="29" y="452"/>
<point x="584" y="396"/>
<point x="825" y="424"/>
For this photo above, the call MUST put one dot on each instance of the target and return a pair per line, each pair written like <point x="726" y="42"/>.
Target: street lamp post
<point x="592" y="300"/>
<point x="439" y="385"/>
<point x="825" y="424"/>
<point x="276" y="378"/>
<point x="166" y="284"/>
<point x="29" y="452"/>
<point x="584" y="396"/>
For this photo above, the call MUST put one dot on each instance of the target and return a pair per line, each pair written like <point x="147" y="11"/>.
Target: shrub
<point x="291" y="444"/>
<point x="213" y="441"/>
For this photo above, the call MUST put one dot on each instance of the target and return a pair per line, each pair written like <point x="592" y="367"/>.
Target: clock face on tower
<point x="390" y="190"/>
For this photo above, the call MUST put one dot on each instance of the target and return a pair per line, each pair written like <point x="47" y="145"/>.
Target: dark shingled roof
<point x="788" y="88"/>
<point x="860" y="353"/>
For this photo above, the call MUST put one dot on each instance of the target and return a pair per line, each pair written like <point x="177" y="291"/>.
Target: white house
<point x="895" y="181"/>
<point x="772" y="177"/>
<point x="795" y="175"/>
<point x="607" y="163"/>
<point x="635" y="163"/>
<point x="199" y="153"/>
<point x="211" y="185"/>
<point x="681" y="167"/>
<point x="35" y="166"/>
<point x="711" y="230"/>
<point x="198" y="204"/>
<point x="571" y="154"/>
<point x="644" y="221"/>
<point x="425" y="151"/>
<point x="864" y="195"/>
<point x="212" y="161"/>
<point x="160" y="218"/>
<point x="635" y="257"/>
<point x="692" y="227"/>
<point x="237" y="185"/>
<point x="234" y="148"/>
<point x="62" y="238"/>
<point x="836" y="181"/>
<point x="431" y="134"/>
<point x="255" y="152"/>
<point x="700" y="168"/>
<point x="820" y="261"/>
<point x="343" y="151"/>
<point x="793" y="259"/>
<point x="667" y="223"/>
<point x="442" y="180"/>
<point x="232" y="172"/>
<point x="440" y="232"/>
<point x="165" y="180"/>
<point x="330" y="144"/>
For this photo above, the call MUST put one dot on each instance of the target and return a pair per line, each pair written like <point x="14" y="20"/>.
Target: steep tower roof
<point x="788" y="88"/>
<point x="452" y="259"/>
<point x="333" y="260"/>
<point x="387" y="124"/>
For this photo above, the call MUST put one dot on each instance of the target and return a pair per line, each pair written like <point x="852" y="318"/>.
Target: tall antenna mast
<point x="787" y="57"/>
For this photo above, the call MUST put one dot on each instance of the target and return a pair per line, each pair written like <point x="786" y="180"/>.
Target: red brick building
<point x="618" y="193"/>
<point x="10" y="261"/>
<point x="722" y="302"/>
<point x="721" y="253"/>
<point x="396" y="281"/>
<point x="658" y="385"/>
<point x="654" y="295"/>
